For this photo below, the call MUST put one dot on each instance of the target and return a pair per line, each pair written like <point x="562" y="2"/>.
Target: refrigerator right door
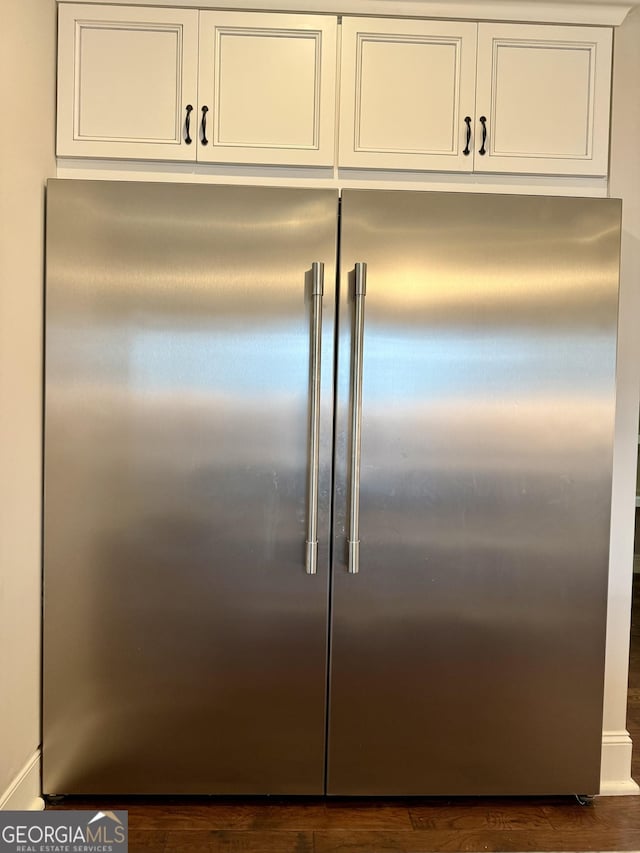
<point x="467" y="646"/>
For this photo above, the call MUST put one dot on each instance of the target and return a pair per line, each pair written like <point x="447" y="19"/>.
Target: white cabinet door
<point x="125" y="78"/>
<point x="544" y="93"/>
<point x="406" y="89"/>
<point x="268" y="83"/>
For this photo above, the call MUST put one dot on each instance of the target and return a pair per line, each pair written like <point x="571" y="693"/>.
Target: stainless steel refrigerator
<point x="327" y="490"/>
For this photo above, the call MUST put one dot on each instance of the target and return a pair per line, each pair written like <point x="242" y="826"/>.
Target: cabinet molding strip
<point x="597" y="14"/>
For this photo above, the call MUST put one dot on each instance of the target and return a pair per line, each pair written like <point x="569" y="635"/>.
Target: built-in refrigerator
<point x="327" y="490"/>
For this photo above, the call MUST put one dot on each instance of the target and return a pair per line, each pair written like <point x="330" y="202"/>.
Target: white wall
<point x="625" y="184"/>
<point x="27" y="99"/>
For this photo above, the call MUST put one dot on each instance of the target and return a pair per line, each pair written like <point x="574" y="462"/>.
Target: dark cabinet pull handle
<point x="203" y="125"/>
<point x="483" y="122"/>
<point x="187" y="125"/>
<point x="467" y="150"/>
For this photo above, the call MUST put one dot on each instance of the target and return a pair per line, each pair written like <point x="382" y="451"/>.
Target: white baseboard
<point x="23" y="794"/>
<point x="615" y="772"/>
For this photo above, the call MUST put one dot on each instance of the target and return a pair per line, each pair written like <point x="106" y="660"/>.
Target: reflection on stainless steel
<point x="317" y="291"/>
<point x="185" y="646"/>
<point x="467" y="657"/>
<point x="189" y="482"/>
<point x="360" y="291"/>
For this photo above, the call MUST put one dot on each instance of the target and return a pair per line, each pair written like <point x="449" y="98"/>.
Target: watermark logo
<point x="60" y="831"/>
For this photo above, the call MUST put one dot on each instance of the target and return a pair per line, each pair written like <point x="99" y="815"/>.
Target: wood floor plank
<point x="226" y="841"/>
<point x="188" y="815"/>
<point x="146" y="842"/>
<point x="606" y="814"/>
<point x="434" y="841"/>
<point x="479" y="813"/>
<point x="258" y="825"/>
<point x="284" y="814"/>
<point x="332" y="814"/>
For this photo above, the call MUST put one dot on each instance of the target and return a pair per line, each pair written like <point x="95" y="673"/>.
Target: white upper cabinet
<point x="412" y="98"/>
<point x="268" y="82"/>
<point x="218" y="87"/>
<point x="125" y="78"/>
<point x="544" y="94"/>
<point x="260" y="88"/>
<point x="406" y="89"/>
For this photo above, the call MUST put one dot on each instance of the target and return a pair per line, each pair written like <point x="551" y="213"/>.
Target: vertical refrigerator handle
<point x="317" y="290"/>
<point x="356" y="418"/>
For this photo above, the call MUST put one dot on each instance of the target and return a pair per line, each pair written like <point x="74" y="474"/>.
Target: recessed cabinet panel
<point x="557" y="126"/>
<point x="406" y="88"/>
<point x="104" y="83"/>
<point x="125" y="78"/>
<point x="388" y="70"/>
<point x="282" y="71"/>
<point x="544" y="91"/>
<point x="268" y="82"/>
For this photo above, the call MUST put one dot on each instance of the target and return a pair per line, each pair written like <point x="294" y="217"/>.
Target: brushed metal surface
<point x="467" y="655"/>
<point x="185" y="645"/>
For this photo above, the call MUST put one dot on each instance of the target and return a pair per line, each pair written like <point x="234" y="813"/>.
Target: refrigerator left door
<point x="185" y="645"/>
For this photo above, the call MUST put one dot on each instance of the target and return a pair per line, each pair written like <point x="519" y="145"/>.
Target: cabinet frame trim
<point x="356" y="32"/>
<point x="73" y="20"/>
<point x="81" y="25"/>
<point x="595" y="160"/>
<point x="324" y="31"/>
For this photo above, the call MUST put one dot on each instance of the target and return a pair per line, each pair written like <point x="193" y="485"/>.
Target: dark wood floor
<point x="390" y="826"/>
